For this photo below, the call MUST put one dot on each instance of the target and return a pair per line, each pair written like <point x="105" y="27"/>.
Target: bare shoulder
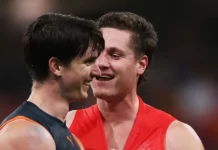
<point x="69" y="118"/>
<point x="181" y="136"/>
<point x="25" y="135"/>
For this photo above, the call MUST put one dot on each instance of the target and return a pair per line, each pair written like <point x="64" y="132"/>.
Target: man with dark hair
<point x="121" y="120"/>
<point x="60" y="51"/>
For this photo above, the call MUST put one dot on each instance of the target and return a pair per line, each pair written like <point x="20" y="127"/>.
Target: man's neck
<point x="48" y="98"/>
<point x="116" y="112"/>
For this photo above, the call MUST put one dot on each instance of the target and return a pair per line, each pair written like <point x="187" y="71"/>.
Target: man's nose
<point x="102" y="61"/>
<point x="95" y="71"/>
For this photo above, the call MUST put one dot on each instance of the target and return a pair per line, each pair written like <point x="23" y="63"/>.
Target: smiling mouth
<point x="87" y="83"/>
<point x="104" y="77"/>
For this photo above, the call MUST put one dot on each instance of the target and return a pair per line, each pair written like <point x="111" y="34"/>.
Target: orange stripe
<point x="20" y="117"/>
<point x="70" y="140"/>
<point x="78" y="141"/>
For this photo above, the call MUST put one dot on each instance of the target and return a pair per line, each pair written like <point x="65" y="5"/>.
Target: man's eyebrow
<point x="115" y="49"/>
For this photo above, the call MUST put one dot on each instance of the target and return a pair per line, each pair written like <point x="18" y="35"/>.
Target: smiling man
<point x="121" y="120"/>
<point x="60" y="51"/>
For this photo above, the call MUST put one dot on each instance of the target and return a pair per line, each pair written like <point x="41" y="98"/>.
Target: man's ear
<point x="55" y="66"/>
<point x="142" y="64"/>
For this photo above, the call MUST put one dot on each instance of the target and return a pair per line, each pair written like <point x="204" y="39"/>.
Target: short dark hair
<point x="144" y="37"/>
<point x="57" y="35"/>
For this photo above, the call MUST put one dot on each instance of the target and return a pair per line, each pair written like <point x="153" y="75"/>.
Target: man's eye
<point x="90" y="61"/>
<point x="115" y="55"/>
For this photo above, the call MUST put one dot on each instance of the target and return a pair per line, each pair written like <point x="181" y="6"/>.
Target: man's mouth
<point x="105" y="77"/>
<point x="87" y="83"/>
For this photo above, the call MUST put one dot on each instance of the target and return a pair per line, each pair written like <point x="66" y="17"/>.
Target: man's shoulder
<point x="182" y="136"/>
<point x="70" y="117"/>
<point x="23" y="134"/>
<point x="153" y="117"/>
<point x="150" y="110"/>
<point x="81" y="112"/>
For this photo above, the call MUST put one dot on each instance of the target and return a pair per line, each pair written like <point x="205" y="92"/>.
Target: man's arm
<point x="181" y="136"/>
<point x="24" y="135"/>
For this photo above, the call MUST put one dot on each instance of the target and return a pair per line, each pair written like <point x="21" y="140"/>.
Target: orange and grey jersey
<point x="64" y="140"/>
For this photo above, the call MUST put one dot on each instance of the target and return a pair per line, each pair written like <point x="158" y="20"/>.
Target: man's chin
<point x="104" y="96"/>
<point x="80" y="98"/>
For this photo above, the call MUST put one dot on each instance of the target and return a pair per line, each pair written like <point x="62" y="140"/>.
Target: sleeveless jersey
<point x="147" y="133"/>
<point x="63" y="139"/>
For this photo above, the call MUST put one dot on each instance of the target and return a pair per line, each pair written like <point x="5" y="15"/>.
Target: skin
<point x="22" y="134"/>
<point x="65" y="84"/>
<point x="117" y="98"/>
